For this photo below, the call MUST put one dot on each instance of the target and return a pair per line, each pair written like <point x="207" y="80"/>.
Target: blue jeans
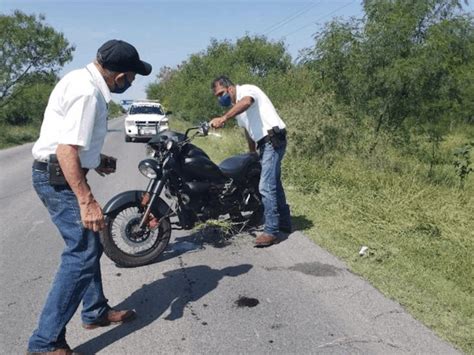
<point x="276" y="210"/>
<point x="78" y="277"/>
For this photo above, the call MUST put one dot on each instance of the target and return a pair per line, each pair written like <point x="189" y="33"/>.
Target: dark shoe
<point x="111" y="317"/>
<point x="265" y="240"/>
<point x="285" y="229"/>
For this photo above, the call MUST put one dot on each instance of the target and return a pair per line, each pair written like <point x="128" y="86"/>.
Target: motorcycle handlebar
<point x="203" y="128"/>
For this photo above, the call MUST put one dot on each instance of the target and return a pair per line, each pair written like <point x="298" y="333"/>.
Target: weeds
<point x="462" y="163"/>
<point x="15" y="135"/>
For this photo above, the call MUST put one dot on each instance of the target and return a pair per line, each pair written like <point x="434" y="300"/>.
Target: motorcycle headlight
<point x="169" y="145"/>
<point x="150" y="169"/>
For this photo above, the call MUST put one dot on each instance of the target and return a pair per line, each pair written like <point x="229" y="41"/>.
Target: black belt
<point x="40" y="165"/>
<point x="43" y="166"/>
<point x="267" y="138"/>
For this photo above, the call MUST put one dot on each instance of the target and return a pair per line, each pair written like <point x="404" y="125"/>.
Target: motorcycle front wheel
<point x="128" y="245"/>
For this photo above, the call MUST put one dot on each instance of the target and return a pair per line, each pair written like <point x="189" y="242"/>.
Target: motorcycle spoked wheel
<point x="127" y="245"/>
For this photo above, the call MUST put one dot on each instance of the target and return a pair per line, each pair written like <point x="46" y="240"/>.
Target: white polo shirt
<point x="261" y="116"/>
<point x="76" y="115"/>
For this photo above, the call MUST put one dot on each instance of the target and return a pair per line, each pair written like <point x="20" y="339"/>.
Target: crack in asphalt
<point x="352" y="340"/>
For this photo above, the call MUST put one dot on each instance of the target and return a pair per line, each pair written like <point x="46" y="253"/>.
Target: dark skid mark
<point x="315" y="269"/>
<point x="246" y="302"/>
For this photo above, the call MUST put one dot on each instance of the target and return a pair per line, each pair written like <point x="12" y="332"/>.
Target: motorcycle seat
<point x="235" y="166"/>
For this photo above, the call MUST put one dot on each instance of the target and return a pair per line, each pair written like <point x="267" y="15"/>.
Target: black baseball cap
<point x="120" y="56"/>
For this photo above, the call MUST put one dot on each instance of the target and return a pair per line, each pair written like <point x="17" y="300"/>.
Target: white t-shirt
<point x="76" y="115"/>
<point x="261" y="116"/>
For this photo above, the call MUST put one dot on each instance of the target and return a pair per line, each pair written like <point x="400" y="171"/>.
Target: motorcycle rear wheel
<point x="127" y="245"/>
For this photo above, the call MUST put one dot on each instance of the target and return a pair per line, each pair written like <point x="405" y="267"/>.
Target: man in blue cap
<point x="70" y="143"/>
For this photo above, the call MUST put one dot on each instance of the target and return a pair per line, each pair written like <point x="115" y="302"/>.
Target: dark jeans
<point x="276" y="210"/>
<point x="78" y="277"/>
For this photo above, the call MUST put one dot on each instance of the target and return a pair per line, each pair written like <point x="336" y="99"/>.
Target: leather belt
<point x="43" y="166"/>
<point x="40" y="165"/>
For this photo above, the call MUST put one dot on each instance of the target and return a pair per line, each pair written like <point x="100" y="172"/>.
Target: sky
<point x="167" y="32"/>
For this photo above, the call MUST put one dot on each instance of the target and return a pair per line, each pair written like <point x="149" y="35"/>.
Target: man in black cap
<point x="70" y="144"/>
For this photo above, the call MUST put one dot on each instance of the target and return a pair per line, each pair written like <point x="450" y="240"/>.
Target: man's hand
<point x="218" y="122"/>
<point x="237" y="109"/>
<point x="92" y="216"/>
<point x="91" y="213"/>
<point x="104" y="168"/>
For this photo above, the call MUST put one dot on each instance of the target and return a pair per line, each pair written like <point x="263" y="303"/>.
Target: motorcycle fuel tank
<point x="202" y="168"/>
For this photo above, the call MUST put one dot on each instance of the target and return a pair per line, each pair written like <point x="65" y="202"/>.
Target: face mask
<point x="225" y="100"/>
<point x="119" y="90"/>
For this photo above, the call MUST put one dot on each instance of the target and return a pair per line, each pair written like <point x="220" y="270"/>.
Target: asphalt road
<point x="205" y="295"/>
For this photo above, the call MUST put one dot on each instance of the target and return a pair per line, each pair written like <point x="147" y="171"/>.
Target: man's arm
<point x="251" y="143"/>
<point x="91" y="212"/>
<point x="237" y="109"/>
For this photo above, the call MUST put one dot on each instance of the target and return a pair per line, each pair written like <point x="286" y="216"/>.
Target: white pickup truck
<point x="145" y="118"/>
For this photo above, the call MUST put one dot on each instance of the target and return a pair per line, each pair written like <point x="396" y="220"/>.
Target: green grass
<point x="420" y="238"/>
<point x="419" y="230"/>
<point x="11" y="136"/>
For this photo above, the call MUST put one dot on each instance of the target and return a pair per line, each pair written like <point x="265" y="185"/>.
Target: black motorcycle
<point x="139" y="223"/>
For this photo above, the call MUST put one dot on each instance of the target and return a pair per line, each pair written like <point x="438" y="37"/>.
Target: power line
<point x="319" y="19"/>
<point x="283" y="22"/>
<point x="297" y="13"/>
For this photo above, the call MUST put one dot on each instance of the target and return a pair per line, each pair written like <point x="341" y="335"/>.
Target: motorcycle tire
<point x="127" y="248"/>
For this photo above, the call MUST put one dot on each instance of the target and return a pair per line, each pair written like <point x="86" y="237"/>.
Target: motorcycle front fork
<point x="152" y="192"/>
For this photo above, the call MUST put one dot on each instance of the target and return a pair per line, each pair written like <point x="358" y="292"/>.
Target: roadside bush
<point x="115" y="110"/>
<point x="186" y="89"/>
<point x="28" y="102"/>
<point x="318" y="127"/>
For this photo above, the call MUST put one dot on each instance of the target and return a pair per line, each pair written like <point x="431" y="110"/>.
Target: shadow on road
<point x="176" y="290"/>
<point x="199" y="240"/>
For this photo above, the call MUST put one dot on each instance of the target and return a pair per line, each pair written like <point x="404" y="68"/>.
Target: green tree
<point x="407" y="63"/>
<point x="31" y="98"/>
<point x="186" y="89"/>
<point x="27" y="46"/>
<point x="115" y="110"/>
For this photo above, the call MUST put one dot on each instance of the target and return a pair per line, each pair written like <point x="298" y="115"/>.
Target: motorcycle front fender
<point x="132" y="198"/>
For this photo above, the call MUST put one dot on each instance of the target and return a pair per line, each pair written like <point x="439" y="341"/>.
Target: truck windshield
<point x="146" y="110"/>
